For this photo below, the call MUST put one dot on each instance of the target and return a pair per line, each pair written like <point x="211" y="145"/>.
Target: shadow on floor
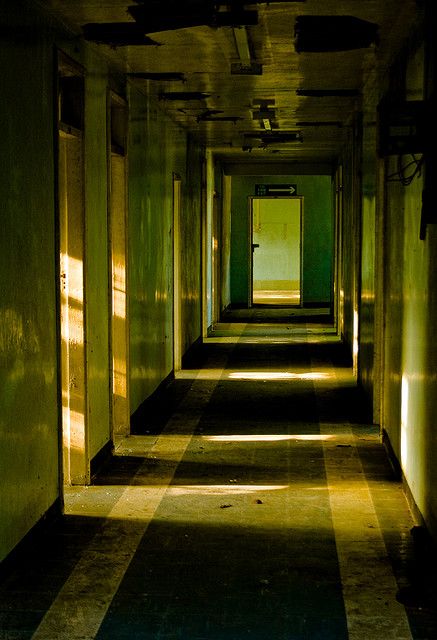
<point x="280" y="314"/>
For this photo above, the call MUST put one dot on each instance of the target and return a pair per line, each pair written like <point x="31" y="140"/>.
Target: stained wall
<point x="398" y="356"/>
<point x="157" y="150"/>
<point x="29" y="471"/>
<point x="30" y="327"/>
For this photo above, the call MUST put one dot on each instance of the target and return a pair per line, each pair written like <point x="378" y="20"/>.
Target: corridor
<point x="253" y="500"/>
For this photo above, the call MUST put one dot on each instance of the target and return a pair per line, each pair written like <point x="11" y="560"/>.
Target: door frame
<point x="119" y="409"/>
<point x="338" y="292"/>
<point x="250" y="200"/>
<point x="216" y="266"/>
<point x="177" y="284"/>
<point x="74" y="460"/>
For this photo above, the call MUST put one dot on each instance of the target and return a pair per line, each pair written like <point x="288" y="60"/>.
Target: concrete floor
<point x="254" y="501"/>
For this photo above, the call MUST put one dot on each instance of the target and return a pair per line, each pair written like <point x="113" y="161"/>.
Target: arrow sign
<point x="275" y="189"/>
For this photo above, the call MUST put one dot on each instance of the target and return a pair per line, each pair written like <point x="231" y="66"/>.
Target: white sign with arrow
<point x="275" y="189"/>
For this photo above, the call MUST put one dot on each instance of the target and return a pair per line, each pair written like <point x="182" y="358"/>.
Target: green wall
<point x="157" y="149"/>
<point x="30" y="408"/>
<point x="410" y="394"/>
<point x="96" y="255"/>
<point x="318" y="228"/>
<point x="368" y="257"/>
<point x="398" y="278"/>
<point x="190" y="245"/>
<point x="351" y="223"/>
<point x="410" y="364"/>
<point x="29" y="411"/>
<point x="28" y="341"/>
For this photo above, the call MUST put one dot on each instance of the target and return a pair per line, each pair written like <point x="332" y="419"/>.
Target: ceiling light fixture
<point x="246" y="66"/>
<point x="265" y="114"/>
<point x="242" y="44"/>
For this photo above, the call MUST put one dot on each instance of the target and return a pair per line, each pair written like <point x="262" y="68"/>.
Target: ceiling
<point x="246" y="66"/>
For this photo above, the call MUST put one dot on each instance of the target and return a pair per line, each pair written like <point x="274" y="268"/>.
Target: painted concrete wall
<point x="157" y="149"/>
<point x="350" y="270"/>
<point x="410" y="384"/>
<point x="30" y="411"/>
<point x="368" y="255"/>
<point x="207" y="240"/>
<point x="405" y="281"/>
<point x="318" y="230"/>
<point x="96" y="255"/>
<point x="226" y="234"/>
<point x="29" y="416"/>
<point x="190" y="229"/>
<point x="28" y="340"/>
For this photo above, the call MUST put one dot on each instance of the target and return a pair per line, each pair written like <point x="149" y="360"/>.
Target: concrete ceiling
<point x="203" y="56"/>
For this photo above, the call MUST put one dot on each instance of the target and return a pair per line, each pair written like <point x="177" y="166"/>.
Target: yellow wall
<point x="190" y="245"/>
<point x="96" y="255"/>
<point x="368" y="256"/>
<point x="399" y="267"/>
<point x="30" y="393"/>
<point x="410" y="389"/>
<point x="349" y="276"/>
<point x="28" y="340"/>
<point x="157" y="149"/>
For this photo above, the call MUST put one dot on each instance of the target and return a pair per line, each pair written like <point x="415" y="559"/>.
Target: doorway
<point x="275" y="251"/>
<point x="117" y="225"/>
<point x="177" y="306"/>
<point x="71" y="230"/>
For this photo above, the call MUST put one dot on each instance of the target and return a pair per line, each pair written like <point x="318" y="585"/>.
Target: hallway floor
<point x="254" y="501"/>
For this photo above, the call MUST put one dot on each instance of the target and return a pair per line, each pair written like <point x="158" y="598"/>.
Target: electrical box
<point x="402" y="127"/>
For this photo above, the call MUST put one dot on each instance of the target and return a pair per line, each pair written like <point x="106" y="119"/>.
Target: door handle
<point x="255" y="246"/>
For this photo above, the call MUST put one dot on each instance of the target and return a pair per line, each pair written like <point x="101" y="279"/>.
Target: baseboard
<point x="317" y="305"/>
<point x="154" y="411"/>
<point x="20" y="551"/>
<point x="236" y="305"/>
<point x="430" y="525"/>
<point x="395" y="464"/>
